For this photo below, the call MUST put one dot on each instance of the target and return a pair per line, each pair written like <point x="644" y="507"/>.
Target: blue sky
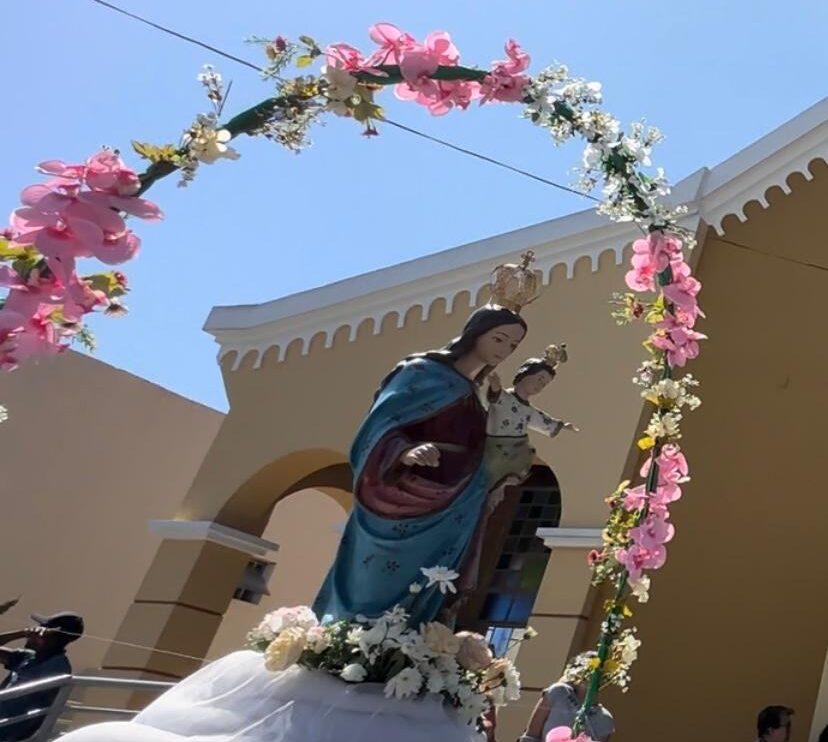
<point x="712" y="75"/>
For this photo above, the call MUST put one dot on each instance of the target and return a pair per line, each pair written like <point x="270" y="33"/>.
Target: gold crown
<point x="515" y="285"/>
<point x="555" y="355"/>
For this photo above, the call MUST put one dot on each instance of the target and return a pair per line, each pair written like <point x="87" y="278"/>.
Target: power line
<point x="785" y="258"/>
<point x="178" y="35"/>
<point x="431" y="138"/>
<point x="390" y="122"/>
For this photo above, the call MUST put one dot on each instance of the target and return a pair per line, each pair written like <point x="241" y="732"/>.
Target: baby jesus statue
<point x="509" y="455"/>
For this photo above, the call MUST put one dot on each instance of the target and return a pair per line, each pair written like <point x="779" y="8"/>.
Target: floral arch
<point x="79" y="212"/>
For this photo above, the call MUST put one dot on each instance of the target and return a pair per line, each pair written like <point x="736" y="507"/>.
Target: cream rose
<point x="285" y="649"/>
<point x="474" y="654"/>
<point x="440" y="639"/>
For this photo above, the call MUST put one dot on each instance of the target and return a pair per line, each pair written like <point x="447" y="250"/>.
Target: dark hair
<point x="481" y="321"/>
<point x="533" y="366"/>
<point x="823" y="735"/>
<point x="773" y="717"/>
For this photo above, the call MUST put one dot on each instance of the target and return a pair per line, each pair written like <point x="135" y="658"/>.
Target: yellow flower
<point x="285" y="649"/>
<point x="646" y="443"/>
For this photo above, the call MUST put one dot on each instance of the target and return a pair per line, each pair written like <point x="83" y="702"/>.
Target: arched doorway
<point x="201" y="566"/>
<point x="306" y="525"/>
<point x="514" y="559"/>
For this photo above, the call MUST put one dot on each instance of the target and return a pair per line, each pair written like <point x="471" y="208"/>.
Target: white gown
<point x="236" y="698"/>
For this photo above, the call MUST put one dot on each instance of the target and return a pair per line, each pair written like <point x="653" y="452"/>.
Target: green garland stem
<point x="610" y="625"/>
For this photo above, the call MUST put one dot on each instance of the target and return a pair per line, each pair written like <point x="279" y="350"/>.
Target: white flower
<point x="415" y="587"/>
<point x="209" y="145"/>
<point x="512" y="683"/>
<point x="434" y="682"/>
<point x="441" y="576"/>
<point x="640" y="588"/>
<point x="451" y="681"/>
<point x="413" y="646"/>
<point x="4" y="414"/>
<point x="472" y="707"/>
<point x="353" y="673"/>
<point x="498" y="696"/>
<point x="447" y="664"/>
<point x="285" y="618"/>
<point x="318" y="640"/>
<point x="629" y="649"/>
<point x="407" y="682"/>
<point x="664" y="426"/>
<point x="340" y="89"/>
<point x="209" y="75"/>
<point x="370" y="639"/>
<point x="667" y="389"/>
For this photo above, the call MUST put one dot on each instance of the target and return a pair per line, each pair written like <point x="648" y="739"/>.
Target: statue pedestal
<point x="236" y="698"/>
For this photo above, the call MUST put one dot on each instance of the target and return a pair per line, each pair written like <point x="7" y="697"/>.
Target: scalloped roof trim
<point x="711" y="195"/>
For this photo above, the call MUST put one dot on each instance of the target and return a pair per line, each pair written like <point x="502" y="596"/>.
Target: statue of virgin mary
<point x="420" y="483"/>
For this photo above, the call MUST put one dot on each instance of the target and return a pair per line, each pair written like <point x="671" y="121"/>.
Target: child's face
<point x="534" y="383"/>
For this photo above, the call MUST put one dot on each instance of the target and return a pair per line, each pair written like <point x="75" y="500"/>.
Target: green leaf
<point x="154" y="153"/>
<point x="303" y="60"/>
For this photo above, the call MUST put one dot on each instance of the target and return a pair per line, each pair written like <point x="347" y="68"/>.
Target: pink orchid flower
<point x="635" y="498"/>
<point x="106" y="171"/>
<point x="54" y="236"/>
<point x="654" y="531"/>
<point x="683" y="293"/>
<point x="636" y="559"/>
<point x="565" y="734"/>
<point x="505" y="81"/>
<point x="392" y="42"/>
<point x="38" y="337"/>
<point x="680" y="343"/>
<point x="652" y="255"/>
<point x="118" y="249"/>
<point x="344" y="56"/>
<point x="82" y="299"/>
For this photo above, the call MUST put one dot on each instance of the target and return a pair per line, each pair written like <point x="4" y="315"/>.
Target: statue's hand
<point x="494" y="382"/>
<point x="426" y="454"/>
<point x="570" y="427"/>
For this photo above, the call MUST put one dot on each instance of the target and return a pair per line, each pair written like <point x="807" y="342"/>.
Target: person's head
<point x="58" y="631"/>
<point x="532" y="377"/>
<point x="774" y="723"/>
<point x="823" y="735"/>
<point x="490" y="335"/>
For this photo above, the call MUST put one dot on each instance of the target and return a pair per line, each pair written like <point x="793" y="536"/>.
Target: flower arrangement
<point x="409" y="662"/>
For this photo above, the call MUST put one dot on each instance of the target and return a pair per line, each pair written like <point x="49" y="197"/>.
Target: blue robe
<point x="379" y="557"/>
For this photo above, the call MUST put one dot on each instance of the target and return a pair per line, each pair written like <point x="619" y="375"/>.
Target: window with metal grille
<point x="523" y="557"/>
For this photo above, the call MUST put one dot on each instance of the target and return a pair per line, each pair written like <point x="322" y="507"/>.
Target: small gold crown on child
<point x="554" y="355"/>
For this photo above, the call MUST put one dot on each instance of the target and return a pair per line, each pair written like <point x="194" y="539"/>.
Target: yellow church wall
<point x="736" y="620"/>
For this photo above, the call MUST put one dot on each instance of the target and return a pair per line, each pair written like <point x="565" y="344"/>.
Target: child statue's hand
<point x="494" y="382"/>
<point x="570" y="427"/>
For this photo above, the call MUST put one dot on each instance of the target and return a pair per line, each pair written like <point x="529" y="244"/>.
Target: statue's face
<point x="496" y="345"/>
<point x="533" y="384"/>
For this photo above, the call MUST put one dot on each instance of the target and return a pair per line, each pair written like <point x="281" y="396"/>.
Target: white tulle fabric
<point x="235" y="698"/>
